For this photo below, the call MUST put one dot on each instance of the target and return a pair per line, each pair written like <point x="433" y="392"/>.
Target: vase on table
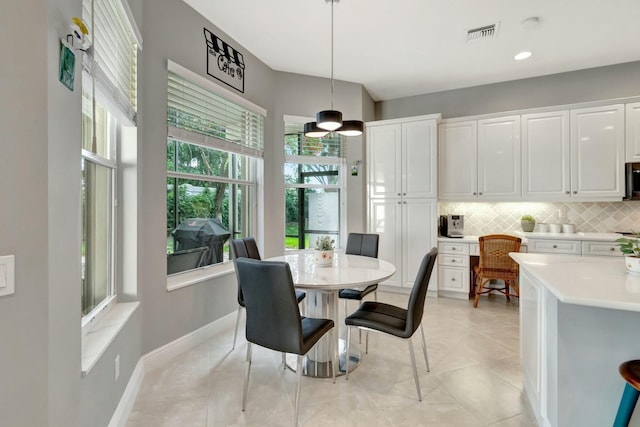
<point x="323" y="257"/>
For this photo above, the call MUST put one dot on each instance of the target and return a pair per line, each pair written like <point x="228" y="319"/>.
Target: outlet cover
<point x="7" y="285"/>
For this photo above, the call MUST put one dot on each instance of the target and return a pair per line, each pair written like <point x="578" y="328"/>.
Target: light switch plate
<point x="7" y="285"/>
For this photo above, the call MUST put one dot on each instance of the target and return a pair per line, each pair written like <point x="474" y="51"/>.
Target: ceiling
<point x="409" y="47"/>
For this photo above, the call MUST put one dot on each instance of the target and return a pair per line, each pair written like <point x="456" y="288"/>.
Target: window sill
<point x="181" y="280"/>
<point x="102" y="334"/>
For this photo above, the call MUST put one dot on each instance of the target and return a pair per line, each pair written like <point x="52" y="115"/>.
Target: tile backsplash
<point x="590" y="217"/>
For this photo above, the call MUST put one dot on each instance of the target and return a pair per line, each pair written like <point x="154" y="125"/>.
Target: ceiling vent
<point x="486" y="32"/>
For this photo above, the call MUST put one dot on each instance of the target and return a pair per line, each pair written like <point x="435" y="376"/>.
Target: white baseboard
<point x="128" y="399"/>
<point x="161" y="356"/>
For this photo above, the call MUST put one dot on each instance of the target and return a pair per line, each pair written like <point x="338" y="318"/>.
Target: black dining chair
<point x="246" y="247"/>
<point x="365" y="245"/>
<point x="397" y="321"/>
<point x="273" y="317"/>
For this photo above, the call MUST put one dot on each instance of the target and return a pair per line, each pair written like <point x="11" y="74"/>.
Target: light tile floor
<point x="475" y="379"/>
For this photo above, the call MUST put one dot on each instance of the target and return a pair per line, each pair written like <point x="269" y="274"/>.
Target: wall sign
<point x="224" y="62"/>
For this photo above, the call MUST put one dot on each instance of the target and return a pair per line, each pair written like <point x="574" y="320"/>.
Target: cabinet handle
<point x="404" y="203"/>
<point x="453" y="279"/>
<point x="399" y="194"/>
<point x="453" y="249"/>
<point x="568" y="192"/>
<point x="555" y="246"/>
<point x="575" y="191"/>
<point x="480" y="194"/>
<point x="404" y="194"/>
<point x="612" y="249"/>
<point x="399" y="203"/>
<point x="453" y="260"/>
<point x="475" y="194"/>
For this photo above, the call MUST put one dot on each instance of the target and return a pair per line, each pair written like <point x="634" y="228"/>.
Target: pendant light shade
<point x="331" y="120"/>
<point x="312" y="130"/>
<point x="351" y="128"/>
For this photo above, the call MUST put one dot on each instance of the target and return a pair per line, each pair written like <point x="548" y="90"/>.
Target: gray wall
<point x="172" y="30"/>
<point x="595" y="84"/>
<point x="23" y="214"/>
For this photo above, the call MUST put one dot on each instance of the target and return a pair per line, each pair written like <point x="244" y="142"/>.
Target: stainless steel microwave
<point x="632" y="174"/>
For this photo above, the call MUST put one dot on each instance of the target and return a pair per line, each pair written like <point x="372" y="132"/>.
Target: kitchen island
<point x="579" y="320"/>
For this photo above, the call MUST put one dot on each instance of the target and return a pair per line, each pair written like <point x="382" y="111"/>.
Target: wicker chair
<point x="495" y="263"/>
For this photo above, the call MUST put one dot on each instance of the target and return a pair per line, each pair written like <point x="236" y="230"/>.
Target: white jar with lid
<point x="555" y="228"/>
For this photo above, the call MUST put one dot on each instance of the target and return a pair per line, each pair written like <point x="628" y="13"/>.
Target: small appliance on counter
<point x="452" y="225"/>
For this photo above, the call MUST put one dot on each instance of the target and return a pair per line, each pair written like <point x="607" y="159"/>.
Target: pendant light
<point x="331" y="120"/>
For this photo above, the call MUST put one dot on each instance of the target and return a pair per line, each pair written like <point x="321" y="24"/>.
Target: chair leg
<point x="366" y="346"/>
<point x="506" y="290"/>
<point x="346" y="364"/>
<point x="284" y="361"/>
<point x="237" y="324"/>
<point x="424" y="347"/>
<point x="246" y="378"/>
<point x="627" y="404"/>
<point x="415" y="370"/>
<point x="479" y="285"/>
<point x="297" y="404"/>
<point x="516" y="287"/>
<point x="334" y="352"/>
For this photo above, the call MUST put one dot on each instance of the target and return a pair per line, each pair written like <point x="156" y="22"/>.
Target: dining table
<point x="322" y="285"/>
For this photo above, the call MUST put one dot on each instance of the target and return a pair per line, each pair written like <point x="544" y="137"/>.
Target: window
<point x="98" y="183"/>
<point x="314" y="188"/>
<point x="214" y="153"/>
<point x="109" y="91"/>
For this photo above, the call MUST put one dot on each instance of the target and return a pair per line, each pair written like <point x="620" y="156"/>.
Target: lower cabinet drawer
<point x="453" y="279"/>
<point x="569" y="247"/>
<point x="453" y="260"/>
<point x="600" y="249"/>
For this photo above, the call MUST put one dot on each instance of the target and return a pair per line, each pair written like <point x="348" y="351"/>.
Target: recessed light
<point x="522" y="55"/>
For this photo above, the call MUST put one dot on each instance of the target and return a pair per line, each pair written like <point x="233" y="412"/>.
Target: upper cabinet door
<point x="499" y="172"/>
<point x="546" y="156"/>
<point x="419" y="159"/>
<point x="458" y="160"/>
<point x="597" y="145"/>
<point x="632" y="143"/>
<point x="385" y="160"/>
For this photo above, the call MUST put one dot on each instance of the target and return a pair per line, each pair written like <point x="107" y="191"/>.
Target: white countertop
<point x="590" y="281"/>
<point x="606" y="237"/>
<point x="465" y="239"/>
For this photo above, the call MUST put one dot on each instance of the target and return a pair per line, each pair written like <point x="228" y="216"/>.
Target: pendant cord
<point x="332" y="2"/>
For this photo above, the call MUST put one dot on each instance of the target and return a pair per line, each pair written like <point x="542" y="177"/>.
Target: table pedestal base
<point x="311" y="367"/>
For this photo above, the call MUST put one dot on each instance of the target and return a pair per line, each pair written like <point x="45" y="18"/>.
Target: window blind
<point x="115" y="50"/>
<point x="297" y="144"/>
<point x="195" y="114"/>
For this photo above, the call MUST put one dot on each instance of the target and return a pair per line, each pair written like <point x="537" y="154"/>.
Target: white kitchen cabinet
<point x="407" y="230"/>
<point x="458" y="160"/>
<point x="532" y="345"/>
<point x="499" y="172"/>
<point x="453" y="269"/>
<point x="632" y="141"/>
<point x="560" y="246"/>
<point x="402" y="191"/>
<point x="598" y="248"/>
<point x="384" y="160"/>
<point x="403" y="159"/>
<point x="546" y="156"/>
<point x="480" y="160"/>
<point x="597" y="152"/>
